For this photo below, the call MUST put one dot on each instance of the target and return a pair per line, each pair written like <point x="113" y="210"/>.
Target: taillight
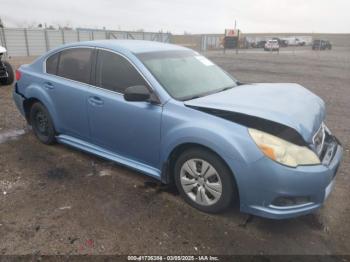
<point x="18" y="75"/>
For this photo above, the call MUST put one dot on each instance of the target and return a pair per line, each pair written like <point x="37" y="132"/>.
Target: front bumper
<point x="262" y="182"/>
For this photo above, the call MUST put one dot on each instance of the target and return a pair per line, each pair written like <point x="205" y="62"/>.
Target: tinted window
<point x="51" y="64"/>
<point x="75" y="64"/>
<point x="115" y="73"/>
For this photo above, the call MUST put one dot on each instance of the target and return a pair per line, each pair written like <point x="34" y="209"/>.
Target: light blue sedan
<point x="172" y="114"/>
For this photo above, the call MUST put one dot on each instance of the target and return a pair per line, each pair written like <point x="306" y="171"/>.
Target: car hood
<point x="288" y="104"/>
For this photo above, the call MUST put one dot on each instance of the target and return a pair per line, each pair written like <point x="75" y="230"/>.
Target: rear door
<point x="67" y="83"/>
<point x="130" y="129"/>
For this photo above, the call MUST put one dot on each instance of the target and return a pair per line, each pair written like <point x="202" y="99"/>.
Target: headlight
<point x="283" y="151"/>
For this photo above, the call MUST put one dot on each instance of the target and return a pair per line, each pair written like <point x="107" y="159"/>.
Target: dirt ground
<point x="57" y="200"/>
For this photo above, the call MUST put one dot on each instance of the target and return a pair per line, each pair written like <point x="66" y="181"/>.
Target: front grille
<point x="325" y="144"/>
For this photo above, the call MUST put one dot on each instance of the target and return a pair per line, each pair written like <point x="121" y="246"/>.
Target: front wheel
<point x="204" y="181"/>
<point x="42" y="124"/>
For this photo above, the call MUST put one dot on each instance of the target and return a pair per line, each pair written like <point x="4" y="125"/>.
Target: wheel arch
<point x="167" y="175"/>
<point x="27" y="104"/>
<point x="35" y="94"/>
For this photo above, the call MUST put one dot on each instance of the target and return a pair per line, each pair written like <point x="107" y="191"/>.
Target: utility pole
<point x="237" y="44"/>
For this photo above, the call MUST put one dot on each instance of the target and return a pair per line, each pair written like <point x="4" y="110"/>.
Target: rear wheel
<point x="10" y="78"/>
<point x="42" y="124"/>
<point x="204" y="181"/>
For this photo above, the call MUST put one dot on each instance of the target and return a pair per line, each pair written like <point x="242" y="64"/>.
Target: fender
<point x="233" y="154"/>
<point x="197" y="127"/>
<point x="183" y="125"/>
<point x="200" y="136"/>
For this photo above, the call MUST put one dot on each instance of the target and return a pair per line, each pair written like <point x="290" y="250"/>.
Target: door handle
<point x="48" y="85"/>
<point x="95" y="101"/>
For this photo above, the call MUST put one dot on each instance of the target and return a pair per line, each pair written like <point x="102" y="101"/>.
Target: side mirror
<point x="137" y="94"/>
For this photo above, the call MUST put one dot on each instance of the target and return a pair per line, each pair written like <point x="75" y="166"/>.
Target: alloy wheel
<point x="201" y="182"/>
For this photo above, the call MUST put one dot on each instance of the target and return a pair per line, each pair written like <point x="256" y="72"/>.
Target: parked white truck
<point x="295" y="41"/>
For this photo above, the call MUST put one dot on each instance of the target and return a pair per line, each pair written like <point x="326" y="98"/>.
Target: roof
<point x="134" y="46"/>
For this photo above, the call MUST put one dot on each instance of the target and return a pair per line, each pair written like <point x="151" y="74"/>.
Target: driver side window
<point x="115" y="73"/>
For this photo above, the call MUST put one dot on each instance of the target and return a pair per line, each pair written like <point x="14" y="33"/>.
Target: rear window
<point x="75" y="64"/>
<point x="51" y="64"/>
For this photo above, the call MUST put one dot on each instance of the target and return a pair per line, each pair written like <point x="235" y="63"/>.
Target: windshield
<point x="186" y="74"/>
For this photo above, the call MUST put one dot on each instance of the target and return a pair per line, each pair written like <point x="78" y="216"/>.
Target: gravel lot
<point x="57" y="200"/>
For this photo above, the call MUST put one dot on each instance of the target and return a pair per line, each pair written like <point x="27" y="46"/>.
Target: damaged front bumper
<point x="272" y="190"/>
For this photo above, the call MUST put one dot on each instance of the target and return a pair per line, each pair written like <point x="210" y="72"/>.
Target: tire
<point x="9" y="80"/>
<point x="42" y="124"/>
<point x="197" y="192"/>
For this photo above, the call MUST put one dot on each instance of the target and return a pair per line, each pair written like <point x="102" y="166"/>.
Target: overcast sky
<point x="177" y="16"/>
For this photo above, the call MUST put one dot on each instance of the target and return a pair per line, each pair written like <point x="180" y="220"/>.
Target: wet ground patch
<point x="58" y="173"/>
<point x="11" y="135"/>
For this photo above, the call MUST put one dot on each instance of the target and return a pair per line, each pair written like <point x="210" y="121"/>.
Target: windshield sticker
<point x="204" y="60"/>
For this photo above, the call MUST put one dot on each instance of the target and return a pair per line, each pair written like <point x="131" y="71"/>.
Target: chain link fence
<point x="34" y="42"/>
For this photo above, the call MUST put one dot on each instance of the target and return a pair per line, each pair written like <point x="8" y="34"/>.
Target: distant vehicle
<point x="281" y="42"/>
<point x="6" y="71"/>
<point x="272" y="45"/>
<point x="300" y="42"/>
<point x="321" y="45"/>
<point x="261" y="44"/>
<point x="174" y="115"/>
<point x="293" y="41"/>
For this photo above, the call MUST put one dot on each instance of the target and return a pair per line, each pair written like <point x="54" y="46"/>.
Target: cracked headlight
<point x="283" y="151"/>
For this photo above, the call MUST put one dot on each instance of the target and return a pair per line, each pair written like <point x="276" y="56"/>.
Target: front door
<point x="130" y="129"/>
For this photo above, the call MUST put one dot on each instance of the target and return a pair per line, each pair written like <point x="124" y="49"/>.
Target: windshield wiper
<point x="191" y="97"/>
<point x="208" y="93"/>
<point x="225" y="88"/>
